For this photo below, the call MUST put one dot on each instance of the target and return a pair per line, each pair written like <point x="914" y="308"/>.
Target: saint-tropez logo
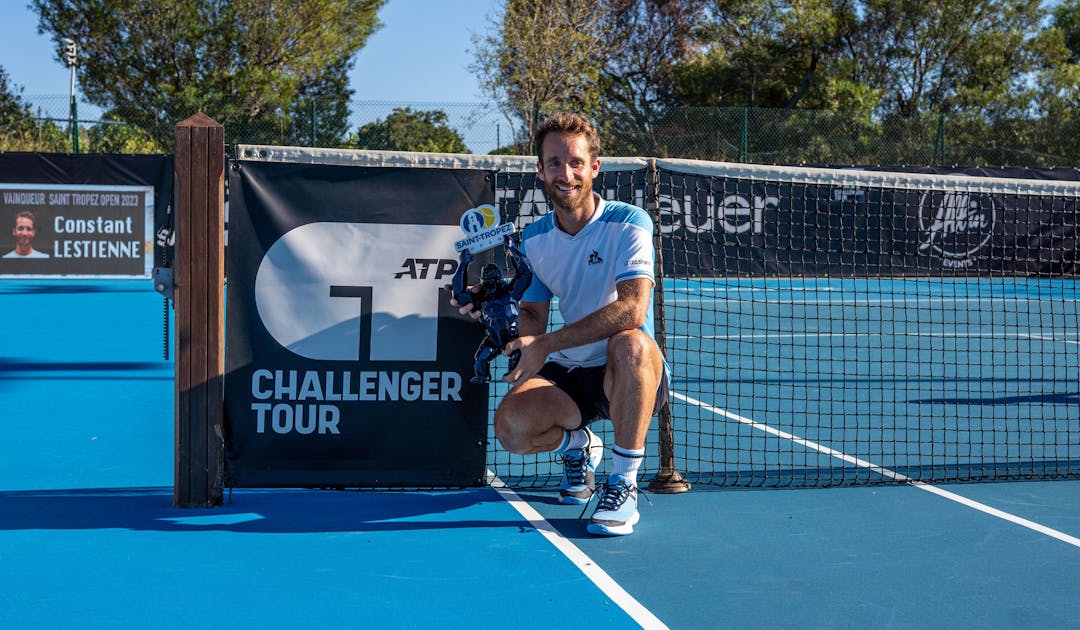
<point x="481" y="225"/>
<point x="956" y="224"/>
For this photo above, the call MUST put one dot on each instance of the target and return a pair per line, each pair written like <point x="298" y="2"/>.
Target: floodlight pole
<point x="71" y="58"/>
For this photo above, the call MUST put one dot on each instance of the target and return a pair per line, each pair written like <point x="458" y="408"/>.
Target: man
<point x="24" y="233"/>
<point x="597" y="257"/>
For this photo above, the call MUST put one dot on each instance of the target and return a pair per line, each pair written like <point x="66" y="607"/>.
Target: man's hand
<point x="469" y="309"/>
<point x="533" y="356"/>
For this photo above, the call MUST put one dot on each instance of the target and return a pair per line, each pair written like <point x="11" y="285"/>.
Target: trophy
<point x="496" y="298"/>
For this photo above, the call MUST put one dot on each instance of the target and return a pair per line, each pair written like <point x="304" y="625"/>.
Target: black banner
<point x="521" y="198"/>
<point x="726" y="226"/>
<point x="345" y="363"/>
<point x="82" y="215"/>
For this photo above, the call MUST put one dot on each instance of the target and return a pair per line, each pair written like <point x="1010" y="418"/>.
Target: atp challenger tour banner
<point x="345" y="363"/>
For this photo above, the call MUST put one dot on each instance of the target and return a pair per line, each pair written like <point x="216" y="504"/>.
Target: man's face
<point x="567" y="170"/>
<point x="23" y="231"/>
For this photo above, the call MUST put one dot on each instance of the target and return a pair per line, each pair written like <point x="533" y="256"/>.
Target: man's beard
<point x="569" y="202"/>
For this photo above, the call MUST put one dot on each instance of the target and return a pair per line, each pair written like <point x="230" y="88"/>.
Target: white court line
<point x="885" y="472"/>
<point x="856" y="301"/>
<point x="1044" y="338"/>
<point x="897" y="333"/>
<point x="616" y="593"/>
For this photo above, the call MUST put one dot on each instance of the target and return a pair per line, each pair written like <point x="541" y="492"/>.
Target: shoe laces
<point x="612" y="496"/>
<point x="576" y="467"/>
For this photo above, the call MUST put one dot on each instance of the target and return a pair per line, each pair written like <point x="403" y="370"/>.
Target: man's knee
<point x="510" y="429"/>
<point x="631" y="348"/>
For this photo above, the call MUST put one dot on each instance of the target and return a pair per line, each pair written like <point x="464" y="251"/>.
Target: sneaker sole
<point x="601" y="529"/>
<point x="569" y="500"/>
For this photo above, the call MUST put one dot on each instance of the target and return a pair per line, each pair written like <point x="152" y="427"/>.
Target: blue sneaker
<point x="617" y="513"/>
<point x="579" y="472"/>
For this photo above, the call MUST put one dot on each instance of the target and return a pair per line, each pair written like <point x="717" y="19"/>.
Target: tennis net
<point x="839" y="326"/>
<point x="843" y="326"/>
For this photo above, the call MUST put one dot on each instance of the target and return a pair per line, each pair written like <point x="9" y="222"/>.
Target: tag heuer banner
<point x="345" y="363"/>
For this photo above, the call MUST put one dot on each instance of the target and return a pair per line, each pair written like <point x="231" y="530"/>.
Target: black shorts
<point x="585" y="385"/>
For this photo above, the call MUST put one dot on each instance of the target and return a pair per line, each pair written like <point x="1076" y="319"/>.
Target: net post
<point x="198" y="269"/>
<point x="668" y="479"/>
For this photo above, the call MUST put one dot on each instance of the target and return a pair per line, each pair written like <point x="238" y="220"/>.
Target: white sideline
<point x="618" y="595"/>
<point x="885" y="472"/>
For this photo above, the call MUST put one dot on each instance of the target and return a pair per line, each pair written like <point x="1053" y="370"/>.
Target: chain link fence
<point x="765" y="136"/>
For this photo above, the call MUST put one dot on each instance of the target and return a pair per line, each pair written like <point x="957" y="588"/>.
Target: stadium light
<point x="71" y="58"/>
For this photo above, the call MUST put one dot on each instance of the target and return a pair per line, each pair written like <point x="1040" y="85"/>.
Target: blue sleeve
<point x="537" y="291"/>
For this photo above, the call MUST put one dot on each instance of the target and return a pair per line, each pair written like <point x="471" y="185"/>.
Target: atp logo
<point x="956" y="224"/>
<point x="478" y="219"/>
<point x="328" y="290"/>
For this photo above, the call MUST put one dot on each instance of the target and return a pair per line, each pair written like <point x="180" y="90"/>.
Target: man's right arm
<point x="533" y="320"/>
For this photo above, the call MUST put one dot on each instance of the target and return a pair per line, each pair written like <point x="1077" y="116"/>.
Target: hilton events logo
<point x="956" y="225"/>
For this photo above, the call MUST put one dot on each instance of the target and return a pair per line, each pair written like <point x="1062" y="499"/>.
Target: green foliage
<point x="119" y="138"/>
<point x="647" y="40"/>
<point x="18" y="129"/>
<point x="541" y="57"/>
<point x="13" y="111"/>
<point x="1067" y="20"/>
<point x="771" y="53"/>
<point x="243" y="63"/>
<point x="406" y="130"/>
<point x="320" y="115"/>
<point x="1059" y="49"/>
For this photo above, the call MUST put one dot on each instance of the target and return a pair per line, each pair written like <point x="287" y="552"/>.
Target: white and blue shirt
<point x="582" y="270"/>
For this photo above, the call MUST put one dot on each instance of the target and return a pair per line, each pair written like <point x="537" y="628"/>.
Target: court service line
<point x="854" y="301"/>
<point x="895" y="333"/>
<point x="885" y="472"/>
<point x="615" y="592"/>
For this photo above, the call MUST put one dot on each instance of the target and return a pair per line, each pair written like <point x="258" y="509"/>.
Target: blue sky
<point x="421" y="54"/>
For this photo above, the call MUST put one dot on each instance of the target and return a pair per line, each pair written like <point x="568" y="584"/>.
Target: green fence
<point x="766" y="136"/>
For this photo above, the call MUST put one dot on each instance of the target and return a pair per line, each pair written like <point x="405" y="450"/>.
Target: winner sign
<point x="481" y="225"/>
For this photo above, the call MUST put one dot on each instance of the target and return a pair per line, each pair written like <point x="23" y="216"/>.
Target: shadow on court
<point x="250" y="511"/>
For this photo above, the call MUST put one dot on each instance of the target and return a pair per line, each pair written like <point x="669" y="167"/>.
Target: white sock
<point x="626" y="462"/>
<point x="576" y="440"/>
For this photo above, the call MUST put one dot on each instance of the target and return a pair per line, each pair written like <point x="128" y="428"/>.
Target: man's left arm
<point x="627" y="312"/>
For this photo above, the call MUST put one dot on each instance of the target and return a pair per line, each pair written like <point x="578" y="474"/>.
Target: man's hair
<point x="570" y="124"/>
<point x="26" y="214"/>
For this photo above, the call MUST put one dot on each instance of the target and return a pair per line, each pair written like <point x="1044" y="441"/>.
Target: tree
<point x="1059" y="79"/>
<point x="406" y="130"/>
<point x="542" y="57"/>
<point x="242" y="62"/>
<point x="321" y="114"/>
<point x="114" y="136"/>
<point x="888" y="56"/>
<point x="772" y="53"/>
<point x="961" y="55"/>
<point x="18" y="129"/>
<point x="647" y="42"/>
<point x="13" y="112"/>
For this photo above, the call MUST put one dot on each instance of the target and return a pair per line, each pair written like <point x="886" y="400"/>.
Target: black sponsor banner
<point x="521" y="198"/>
<point x="720" y="226"/>
<point x="345" y="363"/>
<point x="82" y="215"/>
<point x="1071" y="174"/>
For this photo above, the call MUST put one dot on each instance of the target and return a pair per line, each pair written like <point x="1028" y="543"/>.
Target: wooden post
<point x="198" y="277"/>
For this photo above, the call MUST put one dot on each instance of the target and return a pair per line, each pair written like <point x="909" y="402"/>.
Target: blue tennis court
<point x="934" y="379"/>
<point x="89" y="537"/>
